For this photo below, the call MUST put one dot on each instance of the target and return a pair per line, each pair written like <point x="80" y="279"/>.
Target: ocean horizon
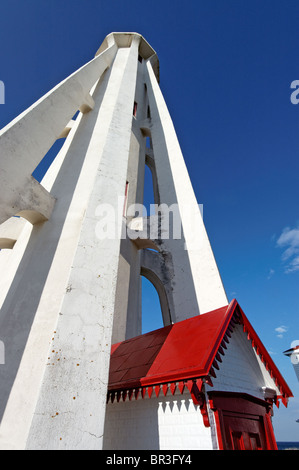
<point x="288" y="445"/>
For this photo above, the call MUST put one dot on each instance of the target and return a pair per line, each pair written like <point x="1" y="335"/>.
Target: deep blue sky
<point x="226" y="68"/>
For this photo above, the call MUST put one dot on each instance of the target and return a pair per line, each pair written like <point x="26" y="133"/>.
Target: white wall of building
<point x="241" y="370"/>
<point x="166" y="422"/>
<point x="174" y="422"/>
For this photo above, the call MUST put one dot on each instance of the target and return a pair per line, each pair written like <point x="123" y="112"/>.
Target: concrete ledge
<point x="67" y="130"/>
<point x="7" y="243"/>
<point x="88" y="104"/>
<point x="10" y="231"/>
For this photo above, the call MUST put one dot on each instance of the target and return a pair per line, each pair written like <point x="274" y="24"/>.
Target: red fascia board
<point x="226" y="321"/>
<point x="266" y="358"/>
<point x="185" y="350"/>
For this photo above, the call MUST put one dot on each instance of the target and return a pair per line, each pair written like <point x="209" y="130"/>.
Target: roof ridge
<point x="188" y="350"/>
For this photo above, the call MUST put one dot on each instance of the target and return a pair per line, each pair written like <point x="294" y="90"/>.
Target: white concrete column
<point x="71" y="407"/>
<point x="197" y="286"/>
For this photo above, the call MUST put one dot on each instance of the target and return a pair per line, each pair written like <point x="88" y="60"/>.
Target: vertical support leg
<point x="73" y="392"/>
<point x="197" y="284"/>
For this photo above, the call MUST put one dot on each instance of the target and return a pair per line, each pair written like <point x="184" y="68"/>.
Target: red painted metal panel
<point x="183" y="351"/>
<point x="180" y="351"/>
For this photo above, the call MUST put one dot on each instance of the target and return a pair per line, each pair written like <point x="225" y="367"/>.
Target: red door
<point x="244" y="433"/>
<point x="243" y="422"/>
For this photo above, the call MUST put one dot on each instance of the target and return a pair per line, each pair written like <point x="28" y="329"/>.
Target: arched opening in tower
<point x="148" y="192"/>
<point x="152" y="318"/>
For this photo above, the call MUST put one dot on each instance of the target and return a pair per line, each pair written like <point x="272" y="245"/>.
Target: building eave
<point x="183" y="356"/>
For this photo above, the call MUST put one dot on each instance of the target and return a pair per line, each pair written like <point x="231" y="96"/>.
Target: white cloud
<point x="281" y="330"/>
<point x="271" y="272"/>
<point x="272" y="353"/>
<point x="289" y="241"/>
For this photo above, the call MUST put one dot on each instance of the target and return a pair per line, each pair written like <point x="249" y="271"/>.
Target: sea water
<point x="288" y="445"/>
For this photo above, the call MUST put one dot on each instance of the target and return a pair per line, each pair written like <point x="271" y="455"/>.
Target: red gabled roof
<point x="182" y="352"/>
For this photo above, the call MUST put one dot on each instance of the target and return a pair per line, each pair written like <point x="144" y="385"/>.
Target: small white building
<point x="203" y="383"/>
<point x="293" y="354"/>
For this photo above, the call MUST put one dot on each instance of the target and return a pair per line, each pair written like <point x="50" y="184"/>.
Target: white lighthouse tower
<point x="75" y="245"/>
